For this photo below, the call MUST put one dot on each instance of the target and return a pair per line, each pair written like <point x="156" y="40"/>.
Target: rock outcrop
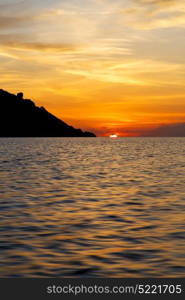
<point x="20" y="117"/>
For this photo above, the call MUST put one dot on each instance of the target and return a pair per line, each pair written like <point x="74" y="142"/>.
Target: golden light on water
<point x="93" y="207"/>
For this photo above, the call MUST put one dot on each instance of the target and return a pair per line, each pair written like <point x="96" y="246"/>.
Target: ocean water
<point x="92" y="207"/>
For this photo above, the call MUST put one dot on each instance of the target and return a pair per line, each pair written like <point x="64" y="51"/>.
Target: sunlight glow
<point x="113" y="136"/>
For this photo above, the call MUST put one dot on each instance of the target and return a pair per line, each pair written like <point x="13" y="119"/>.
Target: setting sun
<point x="113" y="136"/>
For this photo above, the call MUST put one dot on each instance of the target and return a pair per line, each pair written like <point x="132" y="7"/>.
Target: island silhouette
<point x="20" y="117"/>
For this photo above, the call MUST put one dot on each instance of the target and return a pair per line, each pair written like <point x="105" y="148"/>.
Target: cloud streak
<point x="156" y="14"/>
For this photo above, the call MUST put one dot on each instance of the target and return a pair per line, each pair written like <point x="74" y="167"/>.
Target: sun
<point x="113" y="136"/>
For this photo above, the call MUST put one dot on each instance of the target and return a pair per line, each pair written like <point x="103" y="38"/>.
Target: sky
<point x="109" y="66"/>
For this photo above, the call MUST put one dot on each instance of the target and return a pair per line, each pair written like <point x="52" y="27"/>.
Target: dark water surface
<point x="92" y="207"/>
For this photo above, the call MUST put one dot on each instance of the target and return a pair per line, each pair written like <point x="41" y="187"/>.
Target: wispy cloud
<point x="155" y="14"/>
<point x="129" y="72"/>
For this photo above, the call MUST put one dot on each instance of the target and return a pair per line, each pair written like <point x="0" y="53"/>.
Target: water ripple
<point x="81" y="207"/>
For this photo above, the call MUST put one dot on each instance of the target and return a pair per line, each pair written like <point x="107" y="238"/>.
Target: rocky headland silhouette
<point x="20" y="117"/>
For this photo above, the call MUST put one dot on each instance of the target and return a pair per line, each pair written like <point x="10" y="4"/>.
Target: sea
<point x="92" y="207"/>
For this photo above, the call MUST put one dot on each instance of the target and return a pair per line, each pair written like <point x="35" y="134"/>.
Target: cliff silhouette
<point x="20" y="117"/>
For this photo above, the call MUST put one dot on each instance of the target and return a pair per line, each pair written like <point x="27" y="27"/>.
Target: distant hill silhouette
<point x="168" y="130"/>
<point x="20" y="117"/>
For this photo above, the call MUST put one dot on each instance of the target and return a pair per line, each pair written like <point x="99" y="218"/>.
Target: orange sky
<point x="102" y="65"/>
